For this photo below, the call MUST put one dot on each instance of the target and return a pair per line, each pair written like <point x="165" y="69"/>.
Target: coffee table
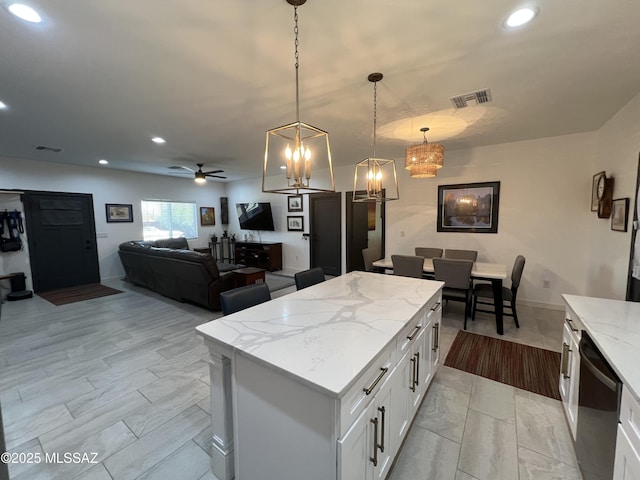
<point x="248" y="275"/>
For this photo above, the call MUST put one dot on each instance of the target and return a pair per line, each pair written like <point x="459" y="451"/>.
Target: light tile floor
<point x="125" y="376"/>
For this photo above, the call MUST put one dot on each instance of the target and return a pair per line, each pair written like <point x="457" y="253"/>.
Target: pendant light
<point x="373" y="177"/>
<point x="291" y="150"/>
<point x="425" y="159"/>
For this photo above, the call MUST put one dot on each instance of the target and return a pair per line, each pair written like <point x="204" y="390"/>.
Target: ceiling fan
<point x="200" y="176"/>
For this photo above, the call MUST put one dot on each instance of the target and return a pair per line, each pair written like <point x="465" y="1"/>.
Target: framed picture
<point x="295" y="203"/>
<point x="594" y="191"/>
<point x="119" y="212"/>
<point x="620" y="214"/>
<point x="468" y="207"/>
<point x="207" y="216"/>
<point x="295" y="224"/>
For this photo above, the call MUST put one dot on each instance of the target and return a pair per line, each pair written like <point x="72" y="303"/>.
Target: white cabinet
<point x="570" y="369"/>
<point x="627" y="460"/>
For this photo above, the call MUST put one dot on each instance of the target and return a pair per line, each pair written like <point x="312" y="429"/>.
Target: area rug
<point x="277" y="282"/>
<point x="65" y="296"/>
<point x="529" y="368"/>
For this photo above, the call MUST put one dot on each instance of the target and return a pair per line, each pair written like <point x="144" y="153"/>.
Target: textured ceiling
<point x="98" y="79"/>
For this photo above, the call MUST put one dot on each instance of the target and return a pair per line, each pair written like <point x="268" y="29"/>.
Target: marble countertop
<point x="614" y="326"/>
<point x="327" y="334"/>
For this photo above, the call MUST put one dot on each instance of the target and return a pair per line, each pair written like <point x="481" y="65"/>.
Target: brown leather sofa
<point x="171" y="269"/>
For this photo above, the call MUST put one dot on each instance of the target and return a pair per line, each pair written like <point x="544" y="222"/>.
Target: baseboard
<point x="548" y="306"/>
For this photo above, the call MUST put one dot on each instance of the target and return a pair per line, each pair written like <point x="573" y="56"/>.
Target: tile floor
<point x="125" y="376"/>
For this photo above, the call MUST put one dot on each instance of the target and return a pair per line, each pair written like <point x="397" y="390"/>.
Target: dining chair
<point x="456" y="275"/>
<point x="369" y="255"/>
<point x="237" y="299"/>
<point x="483" y="293"/>
<point x="309" y="277"/>
<point x="407" y="265"/>
<point x="428" y="252"/>
<point x="453" y="254"/>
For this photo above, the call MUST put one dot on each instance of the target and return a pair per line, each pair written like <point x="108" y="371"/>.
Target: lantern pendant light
<point x="375" y="179"/>
<point x="295" y="147"/>
<point x="425" y="159"/>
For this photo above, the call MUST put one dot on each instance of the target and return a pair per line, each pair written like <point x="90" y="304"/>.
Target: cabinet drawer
<point x="410" y="333"/>
<point x="356" y="399"/>
<point x="630" y="418"/>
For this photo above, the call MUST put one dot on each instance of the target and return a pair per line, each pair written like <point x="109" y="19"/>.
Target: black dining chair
<point x="309" y="277"/>
<point x="370" y="255"/>
<point x="237" y="299"/>
<point x="428" y="252"/>
<point x="407" y="265"/>
<point x="483" y="293"/>
<point x="456" y="275"/>
<point x="453" y="254"/>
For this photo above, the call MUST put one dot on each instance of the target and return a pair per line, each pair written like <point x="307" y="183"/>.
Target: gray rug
<point x="277" y="282"/>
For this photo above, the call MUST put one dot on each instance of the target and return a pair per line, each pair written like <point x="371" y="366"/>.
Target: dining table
<point x="493" y="272"/>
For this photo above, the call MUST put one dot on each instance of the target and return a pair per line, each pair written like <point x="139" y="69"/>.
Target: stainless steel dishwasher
<point x="598" y="411"/>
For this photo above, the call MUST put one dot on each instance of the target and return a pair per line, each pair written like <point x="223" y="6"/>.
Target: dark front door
<point x="325" y="219"/>
<point x="62" y="240"/>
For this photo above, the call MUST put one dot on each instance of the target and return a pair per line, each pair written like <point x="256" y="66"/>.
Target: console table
<point x="322" y="383"/>
<point x="267" y="256"/>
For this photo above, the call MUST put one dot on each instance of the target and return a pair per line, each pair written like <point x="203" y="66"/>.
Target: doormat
<point x="529" y="368"/>
<point x="65" y="296"/>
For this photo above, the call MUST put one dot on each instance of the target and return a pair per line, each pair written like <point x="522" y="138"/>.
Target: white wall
<point x="617" y="147"/>
<point x="111" y="186"/>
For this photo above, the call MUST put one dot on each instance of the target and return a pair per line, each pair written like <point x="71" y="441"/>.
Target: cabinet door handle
<point x="570" y="323"/>
<point x="414" y="333"/>
<point x="412" y="387"/>
<point x="435" y="307"/>
<point x="436" y="334"/>
<point x="564" y="368"/>
<point x="417" y="364"/>
<point x="370" y="388"/>
<point x="374" y="459"/>
<point x="381" y="445"/>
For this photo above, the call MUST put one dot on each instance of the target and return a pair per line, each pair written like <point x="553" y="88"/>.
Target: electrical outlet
<point x="546" y="284"/>
<point x="402" y="234"/>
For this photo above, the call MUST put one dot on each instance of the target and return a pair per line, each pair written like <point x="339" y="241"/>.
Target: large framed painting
<point x="469" y="207"/>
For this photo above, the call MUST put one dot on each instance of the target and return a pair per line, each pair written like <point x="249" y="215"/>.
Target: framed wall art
<point x="295" y="224"/>
<point x="620" y="214"/>
<point x="207" y="216"/>
<point x="295" y="203"/>
<point x="119" y="212"/>
<point x="468" y="207"/>
<point x="594" y="191"/>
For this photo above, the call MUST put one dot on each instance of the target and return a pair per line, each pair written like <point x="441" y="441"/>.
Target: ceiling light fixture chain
<point x="297" y="57"/>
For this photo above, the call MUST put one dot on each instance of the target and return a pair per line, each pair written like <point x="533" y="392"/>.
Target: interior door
<point x="633" y="279"/>
<point x="325" y="231"/>
<point x="365" y="228"/>
<point x="62" y="239"/>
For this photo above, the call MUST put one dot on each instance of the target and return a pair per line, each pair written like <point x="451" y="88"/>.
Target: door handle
<point x="374" y="459"/>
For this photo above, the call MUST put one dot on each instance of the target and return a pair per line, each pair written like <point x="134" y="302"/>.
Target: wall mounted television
<point x="255" y="216"/>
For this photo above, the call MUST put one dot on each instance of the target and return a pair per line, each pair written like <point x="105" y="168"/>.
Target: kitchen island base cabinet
<point x="570" y="369"/>
<point x="338" y="411"/>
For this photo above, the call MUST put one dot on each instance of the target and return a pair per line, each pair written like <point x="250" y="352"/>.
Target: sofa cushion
<point x="177" y="243"/>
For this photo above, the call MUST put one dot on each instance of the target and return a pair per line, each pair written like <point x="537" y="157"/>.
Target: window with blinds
<point x="169" y="219"/>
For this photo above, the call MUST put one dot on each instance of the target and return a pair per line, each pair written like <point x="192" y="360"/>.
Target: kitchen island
<point x="322" y="383"/>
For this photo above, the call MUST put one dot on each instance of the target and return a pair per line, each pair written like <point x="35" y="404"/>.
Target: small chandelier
<point x="425" y="159"/>
<point x="368" y="186"/>
<point x="295" y="146"/>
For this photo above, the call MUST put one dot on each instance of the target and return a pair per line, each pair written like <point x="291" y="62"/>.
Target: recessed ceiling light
<point x="158" y="140"/>
<point x="25" y="12"/>
<point x="522" y="16"/>
<point x="2" y="105"/>
<point x="102" y="161"/>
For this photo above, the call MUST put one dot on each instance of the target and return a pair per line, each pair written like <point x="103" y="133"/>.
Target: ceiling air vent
<point x="48" y="149"/>
<point x="479" y="97"/>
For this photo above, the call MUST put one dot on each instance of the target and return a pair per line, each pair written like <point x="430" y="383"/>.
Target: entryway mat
<point x="65" y="296"/>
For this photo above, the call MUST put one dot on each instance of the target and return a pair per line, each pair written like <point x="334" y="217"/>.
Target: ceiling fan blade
<point x="213" y="171"/>
<point x="215" y="176"/>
